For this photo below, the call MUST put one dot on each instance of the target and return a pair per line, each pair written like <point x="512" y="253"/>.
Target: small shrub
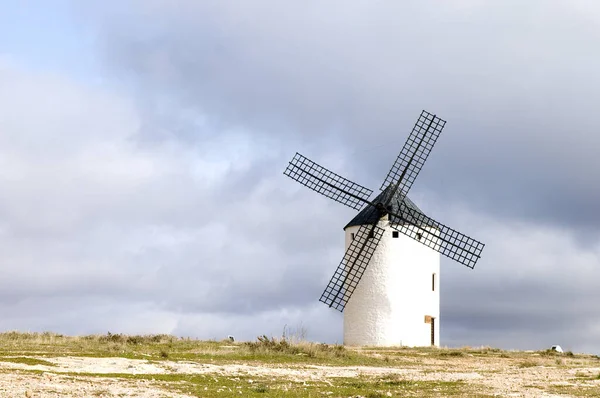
<point x="357" y="384"/>
<point x="135" y="340"/>
<point x="161" y="338"/>
<point x="15" y="335"/>
<point x="338" y="351"/>
<point x="112" y="338"/>
<point x="132" y="340"/>
<point x="394" y="380"/>
<point x="261" y="389"/>
<point x="549" y="353"/>
<point x="528" y="364"/>
<point x="484" y="350"/>
<point x="452" y="354"/>
<point x="164" y="354"/>
<point x="265" y="345"/>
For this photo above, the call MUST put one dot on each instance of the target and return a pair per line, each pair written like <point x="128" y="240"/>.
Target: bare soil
<point x="530" y="375"/>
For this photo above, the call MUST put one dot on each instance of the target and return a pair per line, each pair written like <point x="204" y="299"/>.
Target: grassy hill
<point x="114" y="365"/>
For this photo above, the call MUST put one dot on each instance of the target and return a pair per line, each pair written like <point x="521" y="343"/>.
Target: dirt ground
<point x="84" y="376"/>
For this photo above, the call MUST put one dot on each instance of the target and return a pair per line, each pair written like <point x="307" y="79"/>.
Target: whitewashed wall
<point x="389" y="305"/>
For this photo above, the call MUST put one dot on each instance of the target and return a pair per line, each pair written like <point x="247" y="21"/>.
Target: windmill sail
<point x="351" y="268"/>
<point x="413" y="155"/>
<point x="445" y="240"/>
<point x="404" y="215"/>
<point x="327" y="183"/>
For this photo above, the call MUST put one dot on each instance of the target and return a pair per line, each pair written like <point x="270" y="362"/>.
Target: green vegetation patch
<point x="26" y="361"/>
<point x="230" y="386"/>
<point x="575" y="390"/>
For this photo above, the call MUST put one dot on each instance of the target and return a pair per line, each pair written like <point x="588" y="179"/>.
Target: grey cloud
<point x="513" y="86"/>
<point x="535" y="286"/>
<point x="157" y="225"/>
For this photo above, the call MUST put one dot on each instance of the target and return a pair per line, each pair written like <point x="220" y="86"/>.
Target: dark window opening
<point x="352" y="235"/>
<point x="419" y="236"/>
<point x="371" y="235"/>
<point x="395" y="234"/>
<point x="433" y="282"/>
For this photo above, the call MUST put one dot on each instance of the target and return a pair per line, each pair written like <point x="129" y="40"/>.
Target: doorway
<point x="432" y="331"/>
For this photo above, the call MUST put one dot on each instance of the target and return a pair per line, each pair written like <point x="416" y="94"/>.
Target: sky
<point x="143" y="143"/>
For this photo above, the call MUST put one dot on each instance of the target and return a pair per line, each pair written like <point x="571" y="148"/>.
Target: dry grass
<point x="269" y="346"/>
<point x="287" y="366"/>
<point x="162" y="347"/>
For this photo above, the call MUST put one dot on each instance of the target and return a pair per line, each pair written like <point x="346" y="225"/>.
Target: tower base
<point x="397" y="302"/>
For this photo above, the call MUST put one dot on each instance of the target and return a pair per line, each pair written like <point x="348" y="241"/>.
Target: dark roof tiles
<point x="370" y="214"/>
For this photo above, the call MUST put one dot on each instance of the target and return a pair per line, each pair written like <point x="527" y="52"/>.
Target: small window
<point x="419" y="236"/>
<point x="395" y="234"/>
<point x="433" y="282"/>
<point x="371" y="235"/>
<point x="352" y="235"/>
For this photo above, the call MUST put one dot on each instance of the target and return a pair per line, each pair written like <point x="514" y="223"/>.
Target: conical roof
<point x="370" y="214"/>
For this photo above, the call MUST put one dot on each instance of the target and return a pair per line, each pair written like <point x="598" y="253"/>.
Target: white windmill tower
<point x="388" y="250"/>
<point x="398" y="299"/>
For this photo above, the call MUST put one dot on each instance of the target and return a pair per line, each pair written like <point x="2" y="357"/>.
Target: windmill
<point x="388" y="249"/>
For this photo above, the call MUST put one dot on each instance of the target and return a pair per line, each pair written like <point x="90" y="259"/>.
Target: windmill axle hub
<point x="382" y="208"/>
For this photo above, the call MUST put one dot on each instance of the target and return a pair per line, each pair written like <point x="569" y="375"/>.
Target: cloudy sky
<point x="142" y="145"/>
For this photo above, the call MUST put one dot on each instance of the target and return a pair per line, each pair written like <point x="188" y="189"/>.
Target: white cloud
<point x="512" y="80"/>
<point x="96" y="211"/>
